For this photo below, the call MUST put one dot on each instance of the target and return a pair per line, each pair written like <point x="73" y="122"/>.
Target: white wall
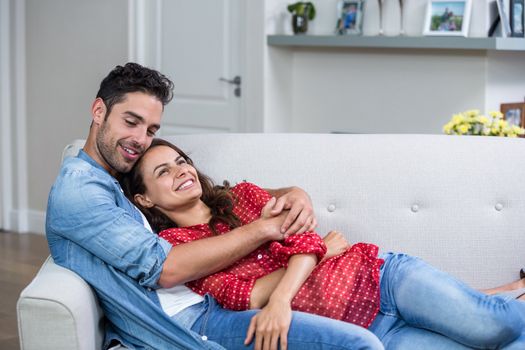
<point x="361" y="92"/>
<point x="70" y="47"/>
<point x="278" y="75"/>
<point x="53" y="55"/>
<point x="505" y="78"/>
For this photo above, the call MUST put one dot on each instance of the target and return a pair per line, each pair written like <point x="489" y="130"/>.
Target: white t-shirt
<point x="175" y="299"/>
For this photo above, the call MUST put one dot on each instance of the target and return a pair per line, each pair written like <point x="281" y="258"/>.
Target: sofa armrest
<point x="58" y="310"/>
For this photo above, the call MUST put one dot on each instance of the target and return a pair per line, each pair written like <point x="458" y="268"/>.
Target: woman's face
<point x="171" y="183"/>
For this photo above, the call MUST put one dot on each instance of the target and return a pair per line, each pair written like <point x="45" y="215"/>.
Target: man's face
<point x="127" y="131"/>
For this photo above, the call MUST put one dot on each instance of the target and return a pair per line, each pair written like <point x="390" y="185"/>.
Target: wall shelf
<point x="385" y="42"/>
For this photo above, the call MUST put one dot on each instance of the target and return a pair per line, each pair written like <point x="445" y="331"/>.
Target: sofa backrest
<point x="456" y="201"/>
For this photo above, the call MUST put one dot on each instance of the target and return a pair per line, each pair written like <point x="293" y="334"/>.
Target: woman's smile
<point x="185" y="185"/>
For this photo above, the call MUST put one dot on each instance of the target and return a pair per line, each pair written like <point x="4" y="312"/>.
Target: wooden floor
<point x="20" y="258"/>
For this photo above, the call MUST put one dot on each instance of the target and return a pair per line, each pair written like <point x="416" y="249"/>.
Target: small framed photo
<point x="349" y="17"/>
<point x="514" y="113"/>
<point x="516" y="18"/>
<point x="447" y="17"/>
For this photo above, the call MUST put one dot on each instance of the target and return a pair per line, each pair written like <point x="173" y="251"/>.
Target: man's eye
<point x="151" y="133"/>
<point x="130" y="123"/>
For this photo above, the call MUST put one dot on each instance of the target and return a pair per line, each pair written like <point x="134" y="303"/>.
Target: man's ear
<point x="98" y="111"/>
<point x="143" y="201"/>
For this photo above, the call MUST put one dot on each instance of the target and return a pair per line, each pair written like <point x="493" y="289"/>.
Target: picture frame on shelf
<point x="504" y="19"/>
<point x="514" y="113"/>
<point x="517" y="18"/>
<point x="349" y="17"/>
<point x="447" y="17"/>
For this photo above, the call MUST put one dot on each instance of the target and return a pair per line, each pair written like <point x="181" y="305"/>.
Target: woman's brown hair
<point x="217" y="198"/>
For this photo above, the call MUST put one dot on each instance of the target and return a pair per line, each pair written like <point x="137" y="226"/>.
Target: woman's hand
<point x="266" y="211"/>
<point x="336" y="244"/>
<point x="301" y="216"/>
<point x="271" y="223"/>
<point x="270" y="326"/>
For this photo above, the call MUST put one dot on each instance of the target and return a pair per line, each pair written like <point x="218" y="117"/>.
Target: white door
<point x="200" y="43"/>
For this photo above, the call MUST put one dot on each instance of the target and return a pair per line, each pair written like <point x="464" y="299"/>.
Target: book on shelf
<point x="503" y="5"/>
<point x="516" y="18"/>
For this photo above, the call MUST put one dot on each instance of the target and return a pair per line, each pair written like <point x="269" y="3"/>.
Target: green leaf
<point x="302" y="9"/>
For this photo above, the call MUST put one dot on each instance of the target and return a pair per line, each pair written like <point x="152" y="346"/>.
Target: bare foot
<point x="507" y="287"/>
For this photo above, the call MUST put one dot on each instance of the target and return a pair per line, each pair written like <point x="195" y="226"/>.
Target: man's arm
<point x="301" y="216"/>
<point x="194" y="260"/>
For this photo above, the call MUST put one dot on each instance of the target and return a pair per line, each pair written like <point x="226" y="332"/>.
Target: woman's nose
<point x="180" y="171"/>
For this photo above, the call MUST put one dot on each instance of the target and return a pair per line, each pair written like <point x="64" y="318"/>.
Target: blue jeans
<point x="424" y="308"/>
<point x="228" y="328"/>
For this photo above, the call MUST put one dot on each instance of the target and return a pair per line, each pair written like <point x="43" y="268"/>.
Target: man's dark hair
<point x="132" y="77"/>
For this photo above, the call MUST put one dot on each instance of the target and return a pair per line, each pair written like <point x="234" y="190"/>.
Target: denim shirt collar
<point x="86" y="157"/>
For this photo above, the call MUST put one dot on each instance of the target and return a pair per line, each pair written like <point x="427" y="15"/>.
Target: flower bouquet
<point x="472" y="123"/>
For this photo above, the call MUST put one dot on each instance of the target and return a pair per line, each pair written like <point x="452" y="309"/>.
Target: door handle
<point x="235" y="81"/>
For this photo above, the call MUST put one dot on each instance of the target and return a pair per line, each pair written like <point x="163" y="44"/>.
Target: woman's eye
<point x="181" y="162"/>
<point x="163" y="171"/>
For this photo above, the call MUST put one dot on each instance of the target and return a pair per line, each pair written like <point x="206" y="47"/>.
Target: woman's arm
<point x="271" y="324"/>
<point x="299" y="268"/>
<point x="262" y="289"/>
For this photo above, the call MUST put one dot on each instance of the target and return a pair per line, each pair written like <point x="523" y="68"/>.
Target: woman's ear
<point x="143" y="201"/>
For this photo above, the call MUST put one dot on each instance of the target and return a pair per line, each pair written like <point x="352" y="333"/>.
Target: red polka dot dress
<point x="344" y="287"/>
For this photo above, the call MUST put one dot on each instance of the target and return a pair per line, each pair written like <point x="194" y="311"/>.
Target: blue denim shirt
<point x="95" y="231"/>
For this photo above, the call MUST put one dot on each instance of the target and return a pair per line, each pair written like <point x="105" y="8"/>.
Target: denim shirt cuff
<point x="153" y="280"/>
<point x="165" y="245"/>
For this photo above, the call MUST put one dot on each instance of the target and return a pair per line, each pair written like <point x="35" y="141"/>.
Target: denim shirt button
<point x="204" y="338"/>
<point x="498" y="206"/>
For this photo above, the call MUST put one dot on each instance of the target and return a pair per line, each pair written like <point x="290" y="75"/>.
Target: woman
<point x="405" y="302"/>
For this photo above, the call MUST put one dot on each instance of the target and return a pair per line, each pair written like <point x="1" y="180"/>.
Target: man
<point x="95" y="231"/>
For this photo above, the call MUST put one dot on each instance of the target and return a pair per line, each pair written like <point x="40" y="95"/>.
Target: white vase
<point x="414" y="12"/>
<point x="371" y="20"/>
<point x="391" y="17"/>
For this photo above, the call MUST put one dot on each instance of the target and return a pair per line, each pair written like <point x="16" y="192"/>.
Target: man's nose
<point x="141" y="136"/>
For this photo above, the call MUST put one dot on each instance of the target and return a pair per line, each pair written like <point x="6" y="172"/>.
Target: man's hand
<point x="270" y="326"/>
<point x="301" y="216"/>
<point x="336" y="244"/>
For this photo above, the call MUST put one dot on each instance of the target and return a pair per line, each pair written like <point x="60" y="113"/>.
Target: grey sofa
<point x="456" y="201"/>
